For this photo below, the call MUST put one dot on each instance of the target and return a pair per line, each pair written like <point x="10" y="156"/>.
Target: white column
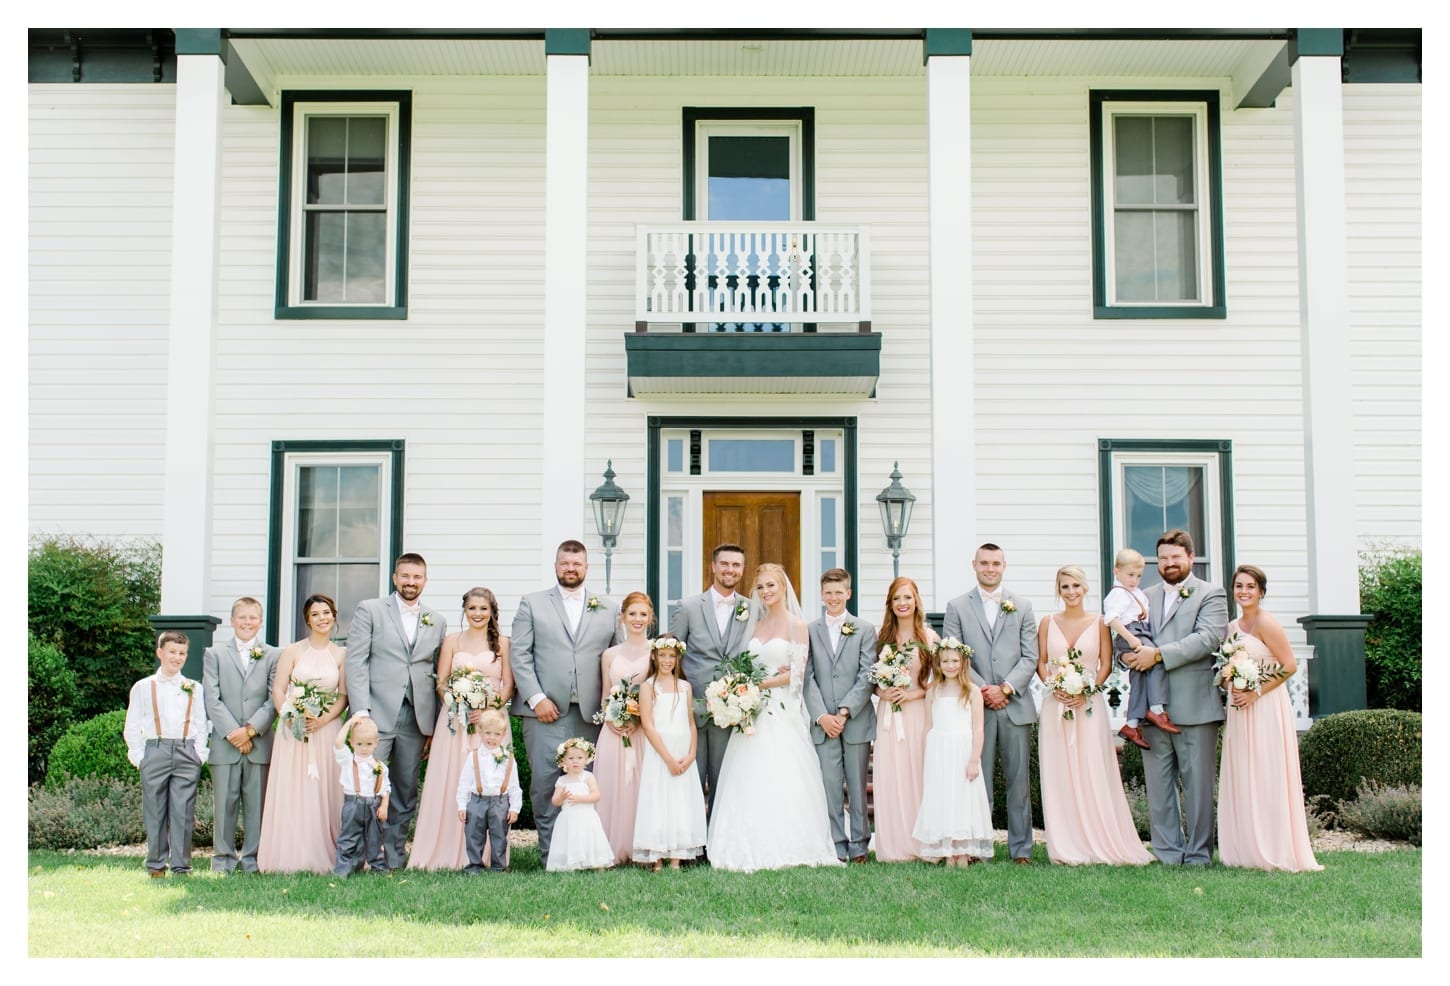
<point x="1324" y="334"/>
<point x="953" y="412"/>
<point x="195" y="220"/>
<point x="566" y="175"/>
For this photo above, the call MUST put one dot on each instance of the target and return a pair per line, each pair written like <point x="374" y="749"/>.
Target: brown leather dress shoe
<point x="1161" y="720"/>
<point x="858" y="859"/>
<point x="1134" y="735"/>
<point x="1021" y="860"/>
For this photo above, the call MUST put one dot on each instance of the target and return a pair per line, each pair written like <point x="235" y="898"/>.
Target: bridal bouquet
<point x="306" y="699"/>
<point x="466" y="690"/>
<point x="734" y="699"/>
<point x="892" y="669"/>
<point x="1069" y="677"/>
<point x="1234" y="668"/>
<point x="621" y="708"/>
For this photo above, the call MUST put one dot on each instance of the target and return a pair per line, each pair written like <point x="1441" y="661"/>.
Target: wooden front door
<point x="767" y="525"/>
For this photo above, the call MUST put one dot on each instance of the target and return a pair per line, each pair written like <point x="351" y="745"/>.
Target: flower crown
<point x="667" y="642"/>
<point x="952" y="643"/>
<point x="579" y="743"/>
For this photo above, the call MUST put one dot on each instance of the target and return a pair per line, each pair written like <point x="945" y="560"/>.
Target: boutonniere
<point x="847" y="629"/>
<point x="1008" y="606"/>
<point x="188" y="686"/>
<point x="592" y="603"/>
<point x="377" y="769"/>
<point x="500" y="756"/>
<point x="256" y="653"/>
<point x="426" y="618"/>
<point x="742" y="612"/>
<point x="1185" y="591"/>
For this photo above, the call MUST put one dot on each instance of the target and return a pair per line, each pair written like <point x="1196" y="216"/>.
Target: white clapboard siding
<point x="99" y="189"/>
<point x="1382" y="127"/>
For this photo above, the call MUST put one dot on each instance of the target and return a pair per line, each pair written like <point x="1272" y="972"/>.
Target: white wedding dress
<point x="770" y="811"/>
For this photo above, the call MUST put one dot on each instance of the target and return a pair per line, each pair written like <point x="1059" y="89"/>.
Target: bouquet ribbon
<point x="887" y="718"/>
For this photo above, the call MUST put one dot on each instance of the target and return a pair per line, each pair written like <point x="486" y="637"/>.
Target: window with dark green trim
<point x="342" y="228"/>
<point x="335" y="526"/>
<point x="1149" y="486"/>
<point x="1157" y="204"/>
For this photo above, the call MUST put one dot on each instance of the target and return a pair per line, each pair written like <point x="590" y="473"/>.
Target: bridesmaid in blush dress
<point x="900" y="748"/>
<point x="1261" y="821"/>
<point x="438" y="838"/>
<point x="616" y="766"/>
<point x="1084" y="810"/>
<point x="302" y="812"/>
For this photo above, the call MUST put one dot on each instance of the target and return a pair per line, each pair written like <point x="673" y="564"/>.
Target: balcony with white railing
<point x="739" y="307"/>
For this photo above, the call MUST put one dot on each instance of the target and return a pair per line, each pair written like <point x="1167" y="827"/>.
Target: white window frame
<point x="705" y="129"/>
<point x="1111" y="110"/>
<point x="294" y="463"/>
<point x="302" y="113"/>
<point x="1206" y="547"/>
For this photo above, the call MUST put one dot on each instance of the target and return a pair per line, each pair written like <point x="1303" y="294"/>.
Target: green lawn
<point x="84" y="905"/>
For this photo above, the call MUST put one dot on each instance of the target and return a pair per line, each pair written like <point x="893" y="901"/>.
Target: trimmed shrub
<point x="90" y="812"/>
<point x="91" y="599"/>
<point x="521" y="762"/>
<point x="1137" y="796"/>
<point x="999" y="789"/>
<point x="93" y="748"/>
<point x="1343" y="750"/>
<point x="1390" y="591"/>
<point x="1384" y="811"/>
<point x="52" y="697"/>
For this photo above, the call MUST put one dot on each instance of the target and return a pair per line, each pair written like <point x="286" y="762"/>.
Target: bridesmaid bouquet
<point x="307" y="699"/>
<point x="1069" y="677"/>
<point x="621" y="708"/>
<point x="1234" y="668"/>
<point x="892" y="669"/>
<point x="734" y="699"/>
<point x="468" y="689"/>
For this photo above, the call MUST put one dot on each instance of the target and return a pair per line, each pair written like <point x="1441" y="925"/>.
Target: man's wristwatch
<point x="843" y="712"/>
<point x="1007" y="689"/>
<point x="251" y="731"/>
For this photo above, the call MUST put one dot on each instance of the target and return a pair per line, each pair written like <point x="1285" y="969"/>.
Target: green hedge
<point x="90" y="812"/>
<point x="1390" y="591"/>
<point x="999" y="789"/>
<point x="1345" y="749"/>
<point x="93" y="748"/>
<point x="91" y="599"/>
<point x="52" y="697"/>
<point x="526" y="814"/>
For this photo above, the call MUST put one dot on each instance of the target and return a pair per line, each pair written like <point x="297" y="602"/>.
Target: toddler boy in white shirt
<point x="365" y="790"/>
<point x="1125" y="611"/>
<point x="165" y="734"/>
<point x="489" y="796"/>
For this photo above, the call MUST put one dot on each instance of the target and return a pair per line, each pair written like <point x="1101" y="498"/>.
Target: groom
<point x="838" y="701"/>
<point x="1189" y="617"/>
<point x="559" y="635"/>
<point x="392" y="652"/>
<point x="999" y="628"/>
<point x="712" y="628"/>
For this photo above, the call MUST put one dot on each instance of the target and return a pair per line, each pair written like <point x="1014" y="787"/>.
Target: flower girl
<point x="955" y="820"/>
<point x="670" y="820"/>
<point x="579" y="842"/>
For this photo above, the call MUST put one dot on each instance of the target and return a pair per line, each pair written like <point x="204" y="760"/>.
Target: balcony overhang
<point x="836" y="364"/>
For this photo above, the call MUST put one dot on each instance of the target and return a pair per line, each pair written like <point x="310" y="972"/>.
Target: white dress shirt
<point x="346" y="758"/>
<point x="409" y="614"/>
<point x="1123" y="604"/>
<point x="833" y="626"/>
<point x="493" y="771"/>
<point x="991" y="606"/>
<point x="244" y="654"/>
<point x="141" y="717"/>
<point x="724" y="610"/>
<point x="1171" y="599"/>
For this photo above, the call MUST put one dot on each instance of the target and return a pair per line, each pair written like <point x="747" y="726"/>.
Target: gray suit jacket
<point x="1188" y="640"/>
<point x="693" y="624"/>
<point x="233" y="699"/>
<point x="549" y="657"/>
<point x="836" y="679"/>
<point x="380" y="664"/>
<point x="1006" y="652"/>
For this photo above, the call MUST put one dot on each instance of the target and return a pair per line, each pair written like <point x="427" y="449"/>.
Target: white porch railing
<point x="752" y="272"/>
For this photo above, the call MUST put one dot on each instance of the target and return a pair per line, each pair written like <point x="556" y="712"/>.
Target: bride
<point x="770" y="811"/>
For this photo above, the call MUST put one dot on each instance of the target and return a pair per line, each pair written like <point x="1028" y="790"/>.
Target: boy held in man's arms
<point x="1125" y="611"/>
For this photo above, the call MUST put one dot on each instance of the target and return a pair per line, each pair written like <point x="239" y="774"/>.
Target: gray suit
<point x="394" y="681"/>
<point x="835" y="679"/>
<point x="235" y="699"/>
<point x="562" y="663"/>
<point x="1004" y="652"/>
<point x="693" y="624"/>
<point x="1188" y="640"/>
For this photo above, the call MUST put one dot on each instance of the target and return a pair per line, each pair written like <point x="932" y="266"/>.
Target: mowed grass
<point x="87" y="905"/>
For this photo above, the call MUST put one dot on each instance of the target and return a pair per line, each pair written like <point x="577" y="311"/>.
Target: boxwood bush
<point x="1390" y="591"/>
<point x="92" y="748"/>
<point x="1343" y="750"/>
<point x="999" y="789"/>
<point x="52" y="697"/>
